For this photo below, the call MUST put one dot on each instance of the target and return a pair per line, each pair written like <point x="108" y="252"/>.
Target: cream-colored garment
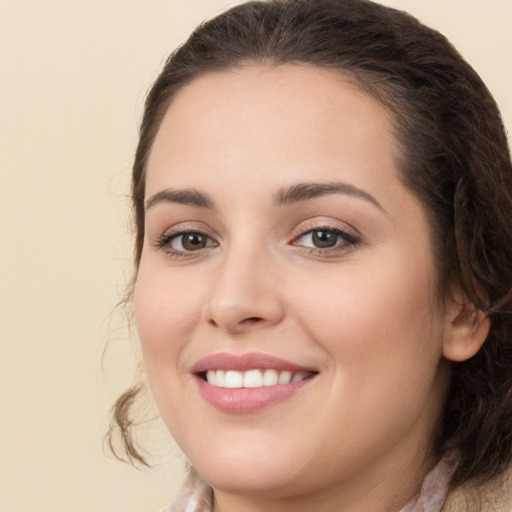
<point x="495" y="496"/>
<point x="196" y="496"/>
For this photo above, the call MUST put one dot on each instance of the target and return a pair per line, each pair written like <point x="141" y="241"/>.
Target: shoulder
<point x="495" y="496"/>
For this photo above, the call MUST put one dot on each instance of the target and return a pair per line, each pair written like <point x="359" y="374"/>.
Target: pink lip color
<point x="246" y="400"/>
<point x="250" y="361"/>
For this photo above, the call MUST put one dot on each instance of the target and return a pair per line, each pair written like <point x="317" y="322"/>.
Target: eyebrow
<point x="187" y="197"/>
<point x="284" y="196"/>
<point x="304" y="191"/>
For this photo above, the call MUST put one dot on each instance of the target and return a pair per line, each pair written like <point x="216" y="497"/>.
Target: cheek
<point x="384" y="347"/>
<point x="166" y="313"/>
<point x="375" y="320"/>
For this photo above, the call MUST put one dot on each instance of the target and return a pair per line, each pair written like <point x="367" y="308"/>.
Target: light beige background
<point x="73" y="76"/>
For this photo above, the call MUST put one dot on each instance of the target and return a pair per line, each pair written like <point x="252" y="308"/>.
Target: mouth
<point x="254" y="378"/>
<point x="250" y="382"/>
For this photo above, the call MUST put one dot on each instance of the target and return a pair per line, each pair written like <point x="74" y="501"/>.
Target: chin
<point x="253" y="468"/>
<point x="269" y="480"/>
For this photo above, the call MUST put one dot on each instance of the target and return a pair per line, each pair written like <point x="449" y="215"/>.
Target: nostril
<point x="244" y="323"/>
<point x="251" y="320"/>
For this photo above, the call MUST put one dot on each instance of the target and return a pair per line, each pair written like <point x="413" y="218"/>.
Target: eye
<point x="184" y="242"/>
<point x="325" y="238"/>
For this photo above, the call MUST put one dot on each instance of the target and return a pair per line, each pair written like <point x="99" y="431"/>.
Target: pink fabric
<point x="435" y="486"/>
<point x="196" y="496"/>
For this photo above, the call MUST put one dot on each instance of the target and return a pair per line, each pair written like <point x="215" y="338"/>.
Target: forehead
<point x="279" y="120"/>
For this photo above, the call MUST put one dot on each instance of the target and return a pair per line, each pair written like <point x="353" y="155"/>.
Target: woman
<point x="322" y="194"/>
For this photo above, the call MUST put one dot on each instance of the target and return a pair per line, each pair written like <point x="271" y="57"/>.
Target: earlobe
<point x="466" y="331"/>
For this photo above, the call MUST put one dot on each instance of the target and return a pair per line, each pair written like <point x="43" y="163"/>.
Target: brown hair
<point x="454" y="158"/>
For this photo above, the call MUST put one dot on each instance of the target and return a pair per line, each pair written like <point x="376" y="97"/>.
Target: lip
<point x="244" y="362"/>
<point x="247" y="400"/>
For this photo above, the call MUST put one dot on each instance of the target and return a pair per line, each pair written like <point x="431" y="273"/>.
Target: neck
<point x="386" y="488"/>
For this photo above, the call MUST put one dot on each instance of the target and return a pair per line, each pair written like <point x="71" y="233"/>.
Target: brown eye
<point x="323" y="239"/>
<point x="191" y="241"/>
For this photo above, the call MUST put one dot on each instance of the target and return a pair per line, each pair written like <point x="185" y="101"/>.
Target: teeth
<point x="253" y="378"/>
<point x="270" y="378"/>
<point x="219" y="377"/>
<point x="297" y="377"/>
<point x="234" y="379"/>
<point x="285" y="377"/>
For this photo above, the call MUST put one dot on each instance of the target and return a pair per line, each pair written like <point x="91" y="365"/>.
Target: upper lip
<point x="244" y="362"/>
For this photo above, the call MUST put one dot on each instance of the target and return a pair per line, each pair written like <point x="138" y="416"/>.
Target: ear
<point x="467" y="327"/>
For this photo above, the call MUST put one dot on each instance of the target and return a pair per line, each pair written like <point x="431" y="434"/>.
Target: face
<point x="285" y="297"/>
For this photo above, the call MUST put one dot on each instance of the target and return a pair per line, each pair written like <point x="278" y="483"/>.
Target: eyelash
<point x="164" y="243"/>
<point x="348" y="241"/>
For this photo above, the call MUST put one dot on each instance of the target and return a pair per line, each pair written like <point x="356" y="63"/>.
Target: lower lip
<point x="247" y="400"/>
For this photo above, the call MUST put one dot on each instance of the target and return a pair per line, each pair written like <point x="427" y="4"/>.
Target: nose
<point x="244" y="294"/>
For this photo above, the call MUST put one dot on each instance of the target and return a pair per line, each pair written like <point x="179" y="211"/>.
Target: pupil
<point x="194" y="241"/>
<point x="324" y="239"/>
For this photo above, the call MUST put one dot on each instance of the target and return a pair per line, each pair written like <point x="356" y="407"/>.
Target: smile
<point x="249" y="383"/>
<point x="257" y="378"/>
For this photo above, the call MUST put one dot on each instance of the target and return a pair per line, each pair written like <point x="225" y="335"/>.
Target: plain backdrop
<point x="73" y="77"/>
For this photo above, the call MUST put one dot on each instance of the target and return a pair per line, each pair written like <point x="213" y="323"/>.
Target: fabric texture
<point x="197" y="496"/>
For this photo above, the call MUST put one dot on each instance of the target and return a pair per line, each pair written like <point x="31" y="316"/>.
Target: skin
<point x="363" y="313"/>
